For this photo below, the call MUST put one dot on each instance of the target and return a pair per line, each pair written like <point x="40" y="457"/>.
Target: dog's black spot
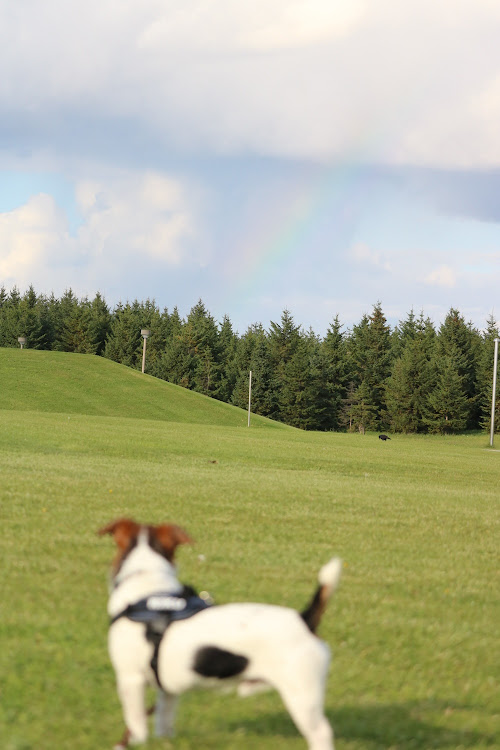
<point x="211" y="661"/>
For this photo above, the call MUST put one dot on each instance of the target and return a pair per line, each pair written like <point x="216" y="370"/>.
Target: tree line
<point x="414" y="378"/>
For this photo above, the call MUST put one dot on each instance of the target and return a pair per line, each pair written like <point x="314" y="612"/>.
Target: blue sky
<point x="315" y="155"/>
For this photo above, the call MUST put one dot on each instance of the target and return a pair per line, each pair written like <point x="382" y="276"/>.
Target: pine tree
<point x="485" y="377"/>
<point x="295" y="404"/>
<point x="460" y="341"/>
<point x="124" y="343"/>
<point x="265" y="396"/>
<point x="283" y="340"/>
<point x="306" y="396"/>
<point x="201" y="340"/>
<point x="410" y="385"/>
<point x="448" y="405"/>
<point x="361" y="412"/>
<point x="227" y="360"/>
<point x="370" y="350"/>
<point x="244" y="362"/>
<point x="337" y="371"/>
<point x="99" y="323"/>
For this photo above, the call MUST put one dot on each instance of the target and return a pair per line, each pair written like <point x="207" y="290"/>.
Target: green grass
<point x="413" y="627"/>
<point x="83" y="384"/>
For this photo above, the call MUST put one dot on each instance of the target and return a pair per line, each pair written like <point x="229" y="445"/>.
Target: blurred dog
<point x="162" y="633"/>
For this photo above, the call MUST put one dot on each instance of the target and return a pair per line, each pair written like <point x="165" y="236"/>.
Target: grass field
<point x="413" y="627"/>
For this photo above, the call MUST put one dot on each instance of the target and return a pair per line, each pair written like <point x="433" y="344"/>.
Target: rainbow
<point x="290" y="232"/>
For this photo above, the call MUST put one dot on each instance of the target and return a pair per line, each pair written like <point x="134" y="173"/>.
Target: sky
<point x="318" y="156"/>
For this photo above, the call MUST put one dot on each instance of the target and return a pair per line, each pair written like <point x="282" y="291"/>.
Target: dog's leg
<point x="166" y="705"/>
<point x="302" y="689"/>
<point x="131" y="692"/>
<point x="309" y="718"/>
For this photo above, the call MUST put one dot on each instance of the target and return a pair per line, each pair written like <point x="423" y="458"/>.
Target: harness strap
<point x="155" y="638"/>
<point x="157" y="612"/>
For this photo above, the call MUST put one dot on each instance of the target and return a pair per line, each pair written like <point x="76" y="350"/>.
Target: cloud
<point x="33" y="238"/>
<point x="389" y="82"/>
<point x="128" y="221"/>
<point x="142" y="214"/>
<point x="442" y="276"/>
<point x="364" y="255"/>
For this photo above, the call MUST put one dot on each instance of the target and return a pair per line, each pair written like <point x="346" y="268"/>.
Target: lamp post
<point x="22" y="340"/>
<point x="144" y="333"/>
<point x="493" y="397"/>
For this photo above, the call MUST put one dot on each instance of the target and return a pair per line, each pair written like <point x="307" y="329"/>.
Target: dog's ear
<point x="169" y="537"/>
<point x="123" y="531"/>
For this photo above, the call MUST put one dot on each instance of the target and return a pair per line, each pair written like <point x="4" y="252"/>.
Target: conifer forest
<point x="414" y="378"/>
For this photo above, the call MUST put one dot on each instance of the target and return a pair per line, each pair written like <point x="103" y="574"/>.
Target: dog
<point x="163" y="634"/>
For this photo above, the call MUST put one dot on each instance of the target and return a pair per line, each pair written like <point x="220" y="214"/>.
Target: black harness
<point x="157" y="611"/>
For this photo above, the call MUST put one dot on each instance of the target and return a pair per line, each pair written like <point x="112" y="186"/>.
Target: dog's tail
<point x="328" y="579"/>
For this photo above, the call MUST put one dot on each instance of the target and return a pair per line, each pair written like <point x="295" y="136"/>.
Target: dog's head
<point x="162" y="539"/>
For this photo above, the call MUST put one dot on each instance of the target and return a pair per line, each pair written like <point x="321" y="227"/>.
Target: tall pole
<point x="144" y="333"/>
<point x="249" y="396"/>
<point x="493" y="396"/>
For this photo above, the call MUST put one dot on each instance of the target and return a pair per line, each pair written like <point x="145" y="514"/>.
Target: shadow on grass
<point x="397" y="726"/>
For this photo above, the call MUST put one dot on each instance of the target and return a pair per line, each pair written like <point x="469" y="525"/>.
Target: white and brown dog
<point x="162" y="633"/>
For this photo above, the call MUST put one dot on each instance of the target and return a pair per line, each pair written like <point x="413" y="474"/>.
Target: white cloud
<point x="364" y="255"/>
<point x="128" y="221"/>
<point x="442" y="276"/>
<point x="413" y="82"/>
<point x="33" y="237"/>
<point x="143" y="214"/>
<point x="296" y="23"/>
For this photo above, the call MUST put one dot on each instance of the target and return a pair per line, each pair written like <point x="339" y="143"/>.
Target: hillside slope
<point x="32" y="380"/>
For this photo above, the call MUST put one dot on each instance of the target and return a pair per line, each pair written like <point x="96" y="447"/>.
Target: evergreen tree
<point x="150" y="318"/>
<point x="75" y="334"/>
<point x="99" y="323"/>
<point x="42" y="335"/>
<point x="370" y="350"/>
<point x="485" y="377"/>
<point x="360" y="411"/>
<point x="336" y="368"/>
<point x="461" y="342"/>
<point x="201" y="340"/>
<point x="305" y="396"/>
<point x="295" y="407"/>
<point x="64" y="311"/>
<point x="283" y="340"/>
<point x="265" y="397"/>
<point x="227" y="360"/>
<point x="124" y="343"/>
<point x="410" y="385"/>
<point x="448" y="406"/>
<point x="247" y="358"/>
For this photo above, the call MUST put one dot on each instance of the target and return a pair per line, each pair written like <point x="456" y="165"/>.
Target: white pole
<point x="249" y="396"/>
<point x="493" y="396"/>
<point x="144" y="355"/>
<point x="144" y="333"/>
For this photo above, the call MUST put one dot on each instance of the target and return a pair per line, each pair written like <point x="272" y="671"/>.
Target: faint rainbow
<point x="338" y="191"/>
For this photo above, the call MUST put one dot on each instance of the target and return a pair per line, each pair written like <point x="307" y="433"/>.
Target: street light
<point x="144" y="333"/>
<point x="22" y="340"/>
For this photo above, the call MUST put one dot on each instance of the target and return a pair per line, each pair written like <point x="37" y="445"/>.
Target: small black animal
<point x="384" y="437"/>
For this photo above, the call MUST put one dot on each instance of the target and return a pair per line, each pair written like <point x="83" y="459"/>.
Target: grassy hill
<point x="84" y="384"/>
